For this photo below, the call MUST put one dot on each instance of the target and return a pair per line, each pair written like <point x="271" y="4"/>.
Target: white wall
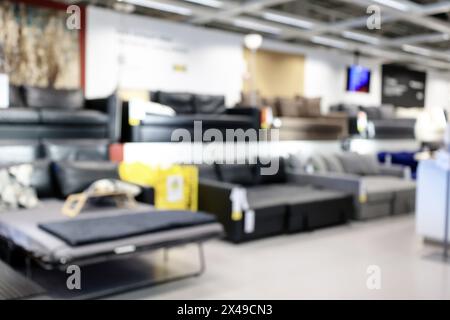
<point x="136" y="52"/>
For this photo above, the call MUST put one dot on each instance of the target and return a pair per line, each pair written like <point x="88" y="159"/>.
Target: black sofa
<point x="280" y="203"/>
<point x="209" y="109"/>
<point x="41" y="113"/>
<point x="384" y="124"/>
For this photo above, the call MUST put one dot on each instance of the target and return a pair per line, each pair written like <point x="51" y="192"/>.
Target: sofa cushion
<point x="380" y="188"/>
<point x="209" y="103"/>
<point x="42" y="179"/>
<point x="373" y="113"/>
<point x="352" y="163"/>
<point x="76" y="149"/>
<point x="370" y="164"/>
<point x="333" y="163"/>
<point x="313" y="107"/>
<point x="73" y="117"/>
<point x="19" y="151"/>
<point x="75" y="177"/>
<point x="181" y="102"/>
<point x="53" y="98"/>
<point x="241" y="174"/>
<point x="16" y="96"/>
<point x="19" y="115"/>
<point x="209" y="120"/>
<point x="291" y="107"/>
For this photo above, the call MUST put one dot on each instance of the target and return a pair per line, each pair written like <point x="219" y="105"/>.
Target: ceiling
<point x="415" y="32"/>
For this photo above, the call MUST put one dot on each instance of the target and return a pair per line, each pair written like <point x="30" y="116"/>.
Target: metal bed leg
<point x="28" y="267"/>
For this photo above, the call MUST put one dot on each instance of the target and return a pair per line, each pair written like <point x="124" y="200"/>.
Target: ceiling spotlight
<point x="246" y="24"/>
<point x="360" y="37"/>
<point x="329" y="42"/>
<point x="161" y="6"/>
<point x="288" y="20"/>
<point x="394" y="4"/>
<point x="208" y="3"/>
<point x="253" y="41"/>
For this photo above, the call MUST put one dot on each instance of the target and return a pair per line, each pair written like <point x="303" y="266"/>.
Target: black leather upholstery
<point x="76" y="150"/>
<point x="14" y="151"/>
<point x="15" y="96"/>
<point x="209" y="103"/>
<point x="74" y="177"/>
<point x="181" y="102"/>
<point x="53" y="98"/>
<point x="53" y="116"/>
<point x="19" y="115"/>
<point x="41" y="179"/>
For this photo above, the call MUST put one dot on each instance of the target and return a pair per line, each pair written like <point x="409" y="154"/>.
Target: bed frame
<point x="30" y="258"/>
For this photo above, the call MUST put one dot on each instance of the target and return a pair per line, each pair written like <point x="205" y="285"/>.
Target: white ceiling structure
<point x="412" y="31"/>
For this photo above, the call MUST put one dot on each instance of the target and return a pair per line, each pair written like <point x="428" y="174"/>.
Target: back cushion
<point x="313" y="107"/>
<point x="209" y="103"/>
<point x="373" y="113"/>
<point x="75" y="177"/>
<point x="242" y="174"/>
<point x="76" y="149"/>
<point x="318" y="163"/>
<point x="53" y="98"/>
<point x="352" y="163"/>
<point x="289" y="107"/>
<point x="333" y="163"/>
<point x="370" y="164"/>
<point x="16" y="96"/>
<point x="182" y="103"/>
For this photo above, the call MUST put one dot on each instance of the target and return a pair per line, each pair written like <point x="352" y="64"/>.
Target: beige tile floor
<point x="325" y="264"/>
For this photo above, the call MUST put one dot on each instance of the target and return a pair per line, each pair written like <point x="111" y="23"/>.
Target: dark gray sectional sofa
<point x="278" y="204"/>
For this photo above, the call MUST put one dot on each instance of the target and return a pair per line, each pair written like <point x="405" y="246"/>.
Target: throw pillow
<point x="352" y="163"/>
<point x="317" y="163"/>
<point x="15" y="188"/>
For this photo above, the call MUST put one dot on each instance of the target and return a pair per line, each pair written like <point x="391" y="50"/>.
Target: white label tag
<point x="175" y="186"/>
<point x="249" y="222"/>
<point x="4" y="91"/>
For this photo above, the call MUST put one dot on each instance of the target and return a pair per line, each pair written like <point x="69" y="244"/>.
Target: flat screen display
<point x="358" y="79"/>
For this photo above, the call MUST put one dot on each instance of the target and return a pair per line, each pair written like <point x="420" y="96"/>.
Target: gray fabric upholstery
<point x="318" y="163"/>
<point x="352" y="163"/>
<point x="333" y="163"/>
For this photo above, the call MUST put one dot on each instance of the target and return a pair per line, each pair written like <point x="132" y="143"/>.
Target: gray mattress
<point x="21" y="227"/>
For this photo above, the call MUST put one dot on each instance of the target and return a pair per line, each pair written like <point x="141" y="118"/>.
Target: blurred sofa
<point x="378" y="190"/>
<point x="277" y="204"/>
<point x="209" y="109"/>
<point x="299" y="118"/>
<point x="379" y="122"/>
<point x="40" y="113"/>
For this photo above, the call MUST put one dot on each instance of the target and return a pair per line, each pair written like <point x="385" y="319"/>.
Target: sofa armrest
<point x="339" y="182"/>
<point x="214" y="198"/>
<point x="392" y="170"/>
<point x="112" y="107"/>
<point x="147" y="195"/>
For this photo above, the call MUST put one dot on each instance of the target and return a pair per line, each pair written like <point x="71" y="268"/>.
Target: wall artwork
<point x="36" y="47"/>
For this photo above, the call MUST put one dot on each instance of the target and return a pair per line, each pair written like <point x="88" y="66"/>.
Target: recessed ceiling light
<point x="394" y="4"/>
<point x="161" y="6"/>
<point x="208" y="3"/>
<point x="360" y="37"/>
<point x="329" y="42"/>
<point x="288" y="20"/>
<point x="416" y="50"/>
<point x="246" y="24"/>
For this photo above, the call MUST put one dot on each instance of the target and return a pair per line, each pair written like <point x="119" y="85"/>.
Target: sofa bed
<point x="44" y="236"/>
<point x="189" y="108"/>
<point x="277" y="204"/>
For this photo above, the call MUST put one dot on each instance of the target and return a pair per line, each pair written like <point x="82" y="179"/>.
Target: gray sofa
<point x="378" y="190"/>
